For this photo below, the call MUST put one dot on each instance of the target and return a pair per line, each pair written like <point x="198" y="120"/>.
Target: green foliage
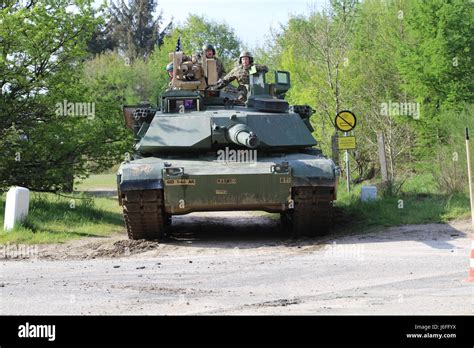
<point x="362" y="56"/>
<point x="198" y="30"/>
<point x="134" y="29"/>
<point x="54" y="219"/>
<point x="437" y="63"/>
<point x="40" y="64"/>
<point x="43" y="143"/>
<point x="125" y="81"/>
<point x="160" y="58"/>
<point x="450" y="169"/>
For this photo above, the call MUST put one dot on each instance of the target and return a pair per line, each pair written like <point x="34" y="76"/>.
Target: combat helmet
<point x="245" y="54"/>
<point x="208" y="46"/>
<point x="169" y="67"/>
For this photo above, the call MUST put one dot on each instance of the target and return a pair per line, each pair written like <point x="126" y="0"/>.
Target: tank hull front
<point x="207" y="184"/>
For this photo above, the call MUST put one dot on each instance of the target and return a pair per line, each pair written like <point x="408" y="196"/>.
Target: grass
<point x="56" y="219"/>
<point x="417" y="203"/>
<point x="98" y="181"/>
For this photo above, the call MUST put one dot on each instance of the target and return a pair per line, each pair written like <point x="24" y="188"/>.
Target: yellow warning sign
<point x="345" y="121"/>
<point x="346" y="143"/>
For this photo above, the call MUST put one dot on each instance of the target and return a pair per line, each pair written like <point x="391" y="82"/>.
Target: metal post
<point x="348" y="172"/>
<point x="469" y="174"/>
<point x="335" y="149"/>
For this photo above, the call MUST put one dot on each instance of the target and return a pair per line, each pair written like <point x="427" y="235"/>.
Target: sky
<point x="251" y="19"/>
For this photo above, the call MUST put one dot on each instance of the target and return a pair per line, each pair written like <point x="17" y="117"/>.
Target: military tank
<point x="200" y="150"/>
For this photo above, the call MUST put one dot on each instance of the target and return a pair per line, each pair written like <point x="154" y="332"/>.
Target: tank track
<point x="312" y="214"/>
<point x="143" y="214"/>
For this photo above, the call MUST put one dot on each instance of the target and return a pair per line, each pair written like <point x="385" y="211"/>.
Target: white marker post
<point x="469" y="175"/>
<point x="16" y="207"/>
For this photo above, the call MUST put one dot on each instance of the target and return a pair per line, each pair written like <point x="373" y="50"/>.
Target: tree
<point x="373" y="81"/>
<point x="134" y="29"/>
<point x="101" y="40"/>
<point x="43" y="145"/>
<point x="198" y="30"/>
<point x="313" y="49"/>
<point x="437" y="63"/>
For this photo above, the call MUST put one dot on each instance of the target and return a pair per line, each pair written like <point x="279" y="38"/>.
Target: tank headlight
<point x="173" y="171"/>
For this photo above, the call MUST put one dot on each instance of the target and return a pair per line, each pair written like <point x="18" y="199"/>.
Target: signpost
<point x="346" y="121"/>
<point x="469" y="175"/>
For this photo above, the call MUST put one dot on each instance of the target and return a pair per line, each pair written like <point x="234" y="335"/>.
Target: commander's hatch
<point x="268" y="97"/>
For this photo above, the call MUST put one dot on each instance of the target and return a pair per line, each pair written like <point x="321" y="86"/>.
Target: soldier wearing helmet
<point x="241" y="74"/>
<point x="169" y="69"/>
<point x="210" y="52"/>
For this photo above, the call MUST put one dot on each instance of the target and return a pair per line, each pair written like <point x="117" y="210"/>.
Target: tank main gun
<point x="240" y="134"/>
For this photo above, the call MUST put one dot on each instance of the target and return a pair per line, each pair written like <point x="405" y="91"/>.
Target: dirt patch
<point x="112" y="247"/>
<point x="238" y="233"/>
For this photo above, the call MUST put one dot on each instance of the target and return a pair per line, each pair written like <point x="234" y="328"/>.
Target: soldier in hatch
<point x="241" y="74"/>
<point x="210" y="52"/>
<point x="169" y="70"/>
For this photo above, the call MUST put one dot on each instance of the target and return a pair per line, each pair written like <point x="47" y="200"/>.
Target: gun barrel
<point x="242" y="135"/>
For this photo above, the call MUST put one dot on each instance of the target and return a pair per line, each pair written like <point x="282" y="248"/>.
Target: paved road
<point x="243" y="264"/>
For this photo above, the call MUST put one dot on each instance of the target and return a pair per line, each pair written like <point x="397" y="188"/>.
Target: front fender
<point x="142" y="174"/>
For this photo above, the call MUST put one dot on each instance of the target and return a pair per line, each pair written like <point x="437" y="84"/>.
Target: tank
<point x="201" y="150"/>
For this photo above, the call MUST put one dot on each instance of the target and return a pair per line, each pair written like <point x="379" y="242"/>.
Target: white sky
<point x="251" y="19"/>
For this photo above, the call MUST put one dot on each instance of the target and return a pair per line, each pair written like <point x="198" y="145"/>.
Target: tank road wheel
<point x="143" y="214"/>
<point x="312" y="215"/>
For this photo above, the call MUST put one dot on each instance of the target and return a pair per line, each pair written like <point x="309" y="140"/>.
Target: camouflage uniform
<point x="241" y="74"/>
<point x="220" y="68"/>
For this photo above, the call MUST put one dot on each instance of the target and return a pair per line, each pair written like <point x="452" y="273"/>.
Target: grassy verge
<point x="98" y="181"/>
<point x="54" y="219"/>
<point x="416" y="203"/>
